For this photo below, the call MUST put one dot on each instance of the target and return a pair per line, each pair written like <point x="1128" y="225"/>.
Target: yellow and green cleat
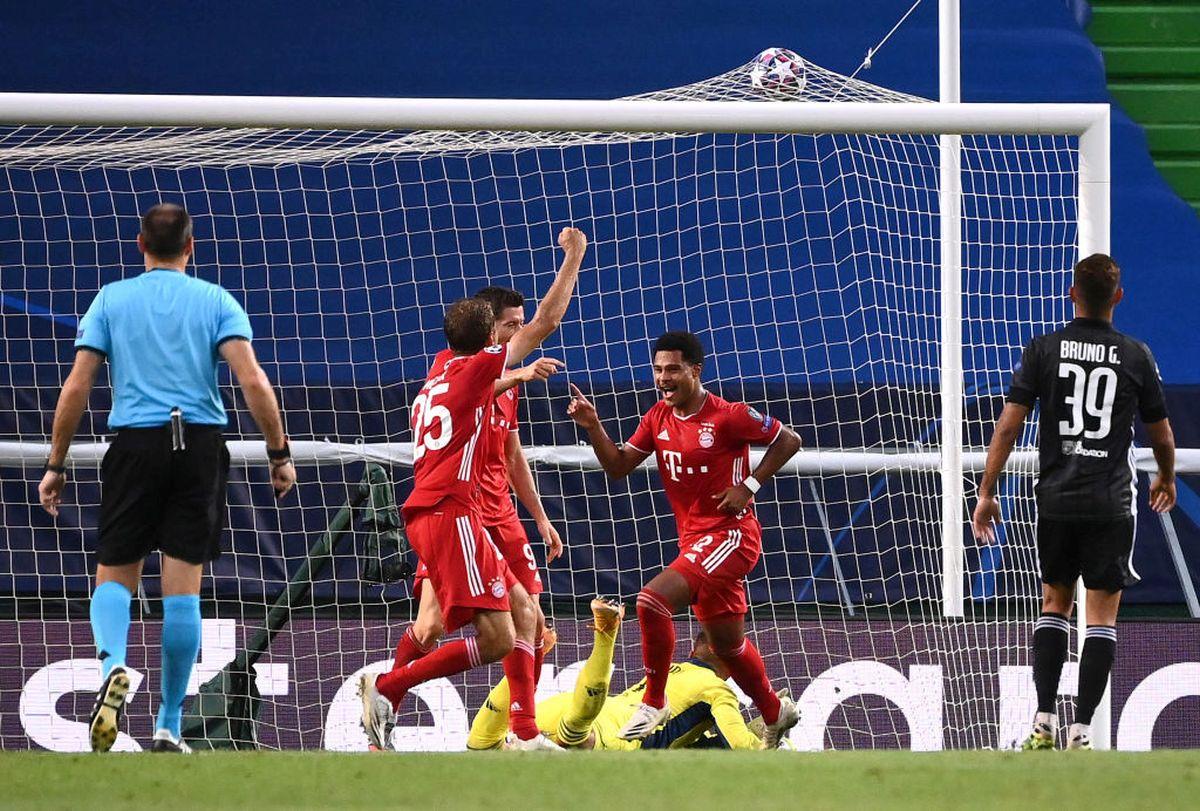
<point x="1042" y="737"/>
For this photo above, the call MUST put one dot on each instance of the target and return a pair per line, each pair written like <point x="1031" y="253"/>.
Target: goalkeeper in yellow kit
<point x="706" y="711"/>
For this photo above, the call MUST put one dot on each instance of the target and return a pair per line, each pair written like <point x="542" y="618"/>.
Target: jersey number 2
<point x="1092" y="393"/>
<point x="425" y="414"/>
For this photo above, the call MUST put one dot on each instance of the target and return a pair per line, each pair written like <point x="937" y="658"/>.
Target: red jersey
<point x="495" y="494"/>
<point x="448" y="418"/>
<point x="703" y="455"/>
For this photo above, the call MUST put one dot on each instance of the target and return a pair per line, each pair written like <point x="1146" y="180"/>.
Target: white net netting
<point x="808" y="264"/>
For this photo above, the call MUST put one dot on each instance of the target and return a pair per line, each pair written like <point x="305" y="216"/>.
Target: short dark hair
<point x="501" y="298"/>
<point x="683" y="342"/>
<point x="166" y="229"/>
<point x="1096" y="281"/>
<point x="468" y="325"/>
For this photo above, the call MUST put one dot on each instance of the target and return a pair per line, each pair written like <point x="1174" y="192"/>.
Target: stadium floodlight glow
<point x="798" y="235"/>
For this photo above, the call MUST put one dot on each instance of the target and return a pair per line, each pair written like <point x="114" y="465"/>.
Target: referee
<point x="164" y="475"/>
<point x="1091" y="381"/>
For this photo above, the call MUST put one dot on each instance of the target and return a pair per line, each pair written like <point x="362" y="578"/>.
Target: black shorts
<point x="152" y="497"/>
<point x="1099" y="550"/>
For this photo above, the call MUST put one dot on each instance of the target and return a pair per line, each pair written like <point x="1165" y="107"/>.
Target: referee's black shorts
<point x="1098" y="550"/>
<point x="153" y="497"/>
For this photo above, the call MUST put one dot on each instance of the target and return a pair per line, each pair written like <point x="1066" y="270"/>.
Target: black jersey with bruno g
<point x="1091" y="380"/>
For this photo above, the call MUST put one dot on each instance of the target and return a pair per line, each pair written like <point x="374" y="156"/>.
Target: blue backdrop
<point x="1016" y="51"/>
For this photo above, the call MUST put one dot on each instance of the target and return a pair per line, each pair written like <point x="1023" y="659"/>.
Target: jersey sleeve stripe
<point x="636" y="448"/>
<point x="778" y="431"/>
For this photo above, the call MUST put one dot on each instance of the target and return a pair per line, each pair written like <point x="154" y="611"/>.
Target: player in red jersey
<point x="703" y="448"/>
<point x="471" y="581"/>
<point x="505" y="471"/>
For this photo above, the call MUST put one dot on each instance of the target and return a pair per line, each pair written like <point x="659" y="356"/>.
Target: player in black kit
<point x="1091" y="381"/>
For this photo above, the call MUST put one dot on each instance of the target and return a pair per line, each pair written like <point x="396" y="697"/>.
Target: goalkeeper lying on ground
<point x="706" y="709"/>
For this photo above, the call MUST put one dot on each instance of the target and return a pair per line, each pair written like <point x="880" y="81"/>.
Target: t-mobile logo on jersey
<point x="673" y="462"/>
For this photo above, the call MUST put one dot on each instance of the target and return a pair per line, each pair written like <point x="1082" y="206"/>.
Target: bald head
<point x="166" y="233"/>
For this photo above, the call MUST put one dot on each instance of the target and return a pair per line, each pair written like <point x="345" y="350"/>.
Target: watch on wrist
<point x="280" y="455"/>
<point x="59" y="469"/>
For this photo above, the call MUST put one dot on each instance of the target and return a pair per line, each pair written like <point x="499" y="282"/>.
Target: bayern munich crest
<point x="706" y="437"/>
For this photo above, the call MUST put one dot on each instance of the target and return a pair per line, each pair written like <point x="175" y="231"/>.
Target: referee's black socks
<point x="1095" y="663"/>
<point x="1050" y="636"/>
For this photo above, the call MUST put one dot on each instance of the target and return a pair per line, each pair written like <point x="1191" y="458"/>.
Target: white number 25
<point x="424" y="415"/>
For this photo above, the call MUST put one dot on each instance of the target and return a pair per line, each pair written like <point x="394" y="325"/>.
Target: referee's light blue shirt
<point x="160" y="332"/>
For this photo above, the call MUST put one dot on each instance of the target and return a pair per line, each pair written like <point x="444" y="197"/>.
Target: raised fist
<point x="572" y="240"/>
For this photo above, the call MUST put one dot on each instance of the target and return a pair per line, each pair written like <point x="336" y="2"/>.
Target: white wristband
<point x="752" y="484"/>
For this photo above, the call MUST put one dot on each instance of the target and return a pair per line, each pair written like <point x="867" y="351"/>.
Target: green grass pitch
<point x="610" y="781"/>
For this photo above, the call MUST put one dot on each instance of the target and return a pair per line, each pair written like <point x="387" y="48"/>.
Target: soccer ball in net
<point x="778" y="70"/>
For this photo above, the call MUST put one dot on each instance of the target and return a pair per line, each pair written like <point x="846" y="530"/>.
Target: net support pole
<point x="1181" y="567"/>
<point x="1094" y="237"/>
<point x="951" y="369"/>
<point x="833" y="558"/>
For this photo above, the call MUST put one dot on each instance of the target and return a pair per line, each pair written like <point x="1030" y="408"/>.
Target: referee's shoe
<point x="164" y="741"/>
<point x="108" y="709"/>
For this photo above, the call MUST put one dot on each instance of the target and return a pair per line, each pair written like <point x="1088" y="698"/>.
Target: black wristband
<point x="281" y="455"/>
<point x="59" y="469"/>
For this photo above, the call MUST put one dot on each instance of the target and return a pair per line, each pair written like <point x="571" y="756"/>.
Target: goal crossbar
<point x="551" y="115"/>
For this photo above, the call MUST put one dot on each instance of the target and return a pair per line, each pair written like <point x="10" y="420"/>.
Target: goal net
<point x="808" y="264"/>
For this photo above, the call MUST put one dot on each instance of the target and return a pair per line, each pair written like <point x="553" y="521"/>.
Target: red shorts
<point x="715" y="564"/>
<point x="510" y="538"/>
<point x="465" y="568"/>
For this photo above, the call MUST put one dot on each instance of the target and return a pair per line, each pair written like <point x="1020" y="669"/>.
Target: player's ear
<point x="141" y="243"/>
<point x="1071" y="292"/>
<point x="1117" y="296"/>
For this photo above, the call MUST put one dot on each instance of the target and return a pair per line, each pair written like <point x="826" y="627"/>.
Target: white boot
<point x="645" y="720"/>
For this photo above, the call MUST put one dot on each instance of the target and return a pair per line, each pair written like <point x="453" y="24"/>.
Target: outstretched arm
<point x="72" y="400"/>
<point x="618" y="462"/>
<point x="554" y="305"/>
<point x="731" y="724"/>
<point x="987" y="510"/>
<point x="540" y="369"/>
<point x="521" y="479"/>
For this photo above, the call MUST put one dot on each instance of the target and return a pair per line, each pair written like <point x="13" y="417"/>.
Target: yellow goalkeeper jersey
<point x="700" y="701"/>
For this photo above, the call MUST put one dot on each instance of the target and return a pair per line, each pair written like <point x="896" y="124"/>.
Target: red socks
<point x="518" y="669"/>
<point x="453" y="657"/>
<point x="539" y="655"/>
<point x="658" y="645"/>
<point x="747" y="669"/>
<point x="409" y="649"/>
